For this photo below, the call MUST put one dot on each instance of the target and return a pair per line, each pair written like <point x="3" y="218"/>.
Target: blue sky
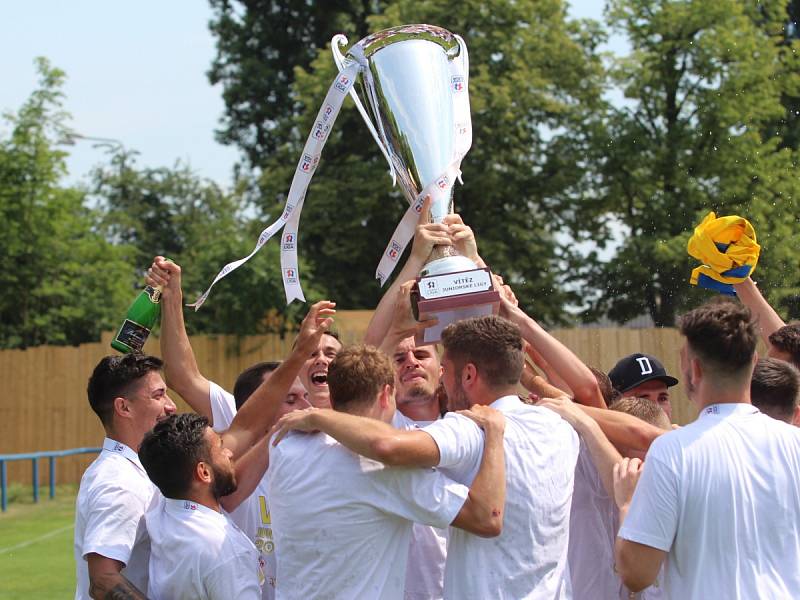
<point x="136" y="72"/>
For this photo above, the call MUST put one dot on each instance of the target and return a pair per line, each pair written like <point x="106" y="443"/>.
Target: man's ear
<point x="796" y="416"/>
<point x="384" y="398"/>
<point x="202" y="472"/>
<point x="696" y="371"/>
<point x="469" y="376"/>
<point x="122" y="407"/>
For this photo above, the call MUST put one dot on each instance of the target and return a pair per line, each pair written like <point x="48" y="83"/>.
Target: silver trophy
<point x="408" y="90"/>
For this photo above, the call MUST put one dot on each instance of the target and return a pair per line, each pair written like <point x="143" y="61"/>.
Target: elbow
<point x="491" y="526"/>
<point x="589" y="394"/>
<point x="629" y="570"/>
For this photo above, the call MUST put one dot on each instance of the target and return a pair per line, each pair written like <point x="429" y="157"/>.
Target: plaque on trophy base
<point x="450" y="297"/>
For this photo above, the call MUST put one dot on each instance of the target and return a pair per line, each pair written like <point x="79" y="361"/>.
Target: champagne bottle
<point x="141" y="316"/>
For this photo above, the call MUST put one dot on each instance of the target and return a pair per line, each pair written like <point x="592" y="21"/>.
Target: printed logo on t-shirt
<point x="264" y="541"/>
<point x="189" y="505"/>
<point x="712" y="410"/>
<point x="118" y="447"/>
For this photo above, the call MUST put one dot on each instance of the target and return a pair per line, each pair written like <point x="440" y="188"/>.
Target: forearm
<point x="562" y="360"/>
<point x="250" y="470"/>
<point x="540" y="386"/>
<point x="257" y="416"/>
<point x="381" y="320"/>
<point x="767" y="319"/>
<point x="112" y="585"/>
<point x="180" y="366"/>
<point x="377" y="440"/>
<point x="483" y="512"/>
<point x="624" y="430"/>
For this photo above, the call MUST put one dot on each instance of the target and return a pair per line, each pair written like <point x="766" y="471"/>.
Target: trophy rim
<point x="419" y="31"/>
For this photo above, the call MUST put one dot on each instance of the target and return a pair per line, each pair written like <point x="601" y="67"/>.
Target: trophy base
<point x="452" y="296"/>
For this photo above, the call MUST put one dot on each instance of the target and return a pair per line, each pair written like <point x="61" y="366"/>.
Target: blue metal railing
<point x="34" y="458"/>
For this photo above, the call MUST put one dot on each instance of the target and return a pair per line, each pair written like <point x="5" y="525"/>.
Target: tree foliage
<point x="701" y="85"/>
<point x="60" y="281"/>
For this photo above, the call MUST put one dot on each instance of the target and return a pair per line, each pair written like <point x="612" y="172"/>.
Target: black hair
<point x="113" y="377"/>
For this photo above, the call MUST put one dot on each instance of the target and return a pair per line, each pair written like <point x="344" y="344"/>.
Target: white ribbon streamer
<point x="297" y="192"/>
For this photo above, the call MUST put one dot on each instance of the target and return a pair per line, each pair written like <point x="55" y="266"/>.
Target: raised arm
<point x="257" y="415"/>
<point x="250" y="469"/>
<point x="180" y="366"/>
<point x="426" y="237"/>
<point x="604" y="455"/>
<point x="768" y="320"/>
<point x="624" y="430"/>
<point x="568" y="366"/>
<point x="482" y="513"/>
<point x="368" y="437"/>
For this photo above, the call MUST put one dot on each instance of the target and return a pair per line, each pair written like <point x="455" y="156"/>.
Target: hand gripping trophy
<point x="414" y="84"/>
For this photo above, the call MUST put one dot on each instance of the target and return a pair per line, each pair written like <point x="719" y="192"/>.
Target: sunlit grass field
<point x="36" y="545"/>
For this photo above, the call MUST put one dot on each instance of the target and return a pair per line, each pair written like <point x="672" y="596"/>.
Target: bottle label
<point x="154" y="293"/>
<point x="133" y="335"/>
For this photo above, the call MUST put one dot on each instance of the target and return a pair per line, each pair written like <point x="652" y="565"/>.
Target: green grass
<point x="36" y="545"/>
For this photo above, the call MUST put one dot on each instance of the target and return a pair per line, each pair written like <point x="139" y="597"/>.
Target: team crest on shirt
<point x="189" y="505"/>
<point x="118" y="447"/>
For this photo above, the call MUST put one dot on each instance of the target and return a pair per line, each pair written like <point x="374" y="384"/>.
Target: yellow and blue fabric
<point x="727" y="248"/>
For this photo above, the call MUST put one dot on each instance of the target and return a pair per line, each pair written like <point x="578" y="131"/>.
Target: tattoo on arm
<point x="123" y="590"/>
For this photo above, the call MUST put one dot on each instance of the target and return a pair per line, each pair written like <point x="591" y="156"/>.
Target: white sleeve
<point x="652" y="518"/>
<point x="113" y="520"/>
<point x="460" y="442"/>
<point x="420" y="495"/>
<point x="236" y="577"/>
<point x="223" y="407"/>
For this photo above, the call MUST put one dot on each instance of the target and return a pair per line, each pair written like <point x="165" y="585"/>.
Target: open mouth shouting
<point x="319" y="378"/>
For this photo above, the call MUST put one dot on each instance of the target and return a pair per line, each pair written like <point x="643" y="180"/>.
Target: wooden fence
<point x="43" y="402"/>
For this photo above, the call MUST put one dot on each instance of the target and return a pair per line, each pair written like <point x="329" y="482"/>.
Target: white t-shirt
<point x="198" y="553"/>
<point x="427" y="552"/>
<point x="593" y="525"/>
<point x="114" y="494"/>
<point x="722" y="496"/>
<point x="252" y="515"/>
<point x="343" y="522"/>
<point x="528" y="559"/>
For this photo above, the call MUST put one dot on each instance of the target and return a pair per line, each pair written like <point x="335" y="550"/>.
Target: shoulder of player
<point x="113" y="472"/>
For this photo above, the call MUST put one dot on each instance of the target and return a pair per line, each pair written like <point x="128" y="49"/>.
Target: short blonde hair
<point x="356" y="377"/>
<point x="644" y="409"/>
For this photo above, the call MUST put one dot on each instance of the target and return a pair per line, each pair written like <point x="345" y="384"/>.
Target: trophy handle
<point x="340" y="60"/>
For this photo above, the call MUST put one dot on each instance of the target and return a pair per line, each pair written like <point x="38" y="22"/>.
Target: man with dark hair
<point x="248" y="506"/>
<point x="707" y="495"/>
<point x="374" y="506"/>
<point x="785" y="344"/>
<point x="774" y="390"/>
<point x="529" y="558"/>
<point x="111" y="544"/>
<point x="643" y="376"/>
<point x="196" y="550"/>
<point x="314" y="374"/>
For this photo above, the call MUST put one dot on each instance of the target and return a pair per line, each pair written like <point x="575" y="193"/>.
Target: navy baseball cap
<point x="636" y="369"/>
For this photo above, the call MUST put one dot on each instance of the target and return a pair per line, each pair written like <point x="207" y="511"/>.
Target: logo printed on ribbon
<point x="458" y="83"/>
<point x="443" y="182"/>
<point x="320" y="130"/>
<point x="308" y="163"/>
<point x="291" y="275"/>
<point x="342" y="83"/>
<point x="394" y="250"/>
<point x="288" y="241"/>
<point x="287" y="211"/>
<point x="326" y="113"/>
